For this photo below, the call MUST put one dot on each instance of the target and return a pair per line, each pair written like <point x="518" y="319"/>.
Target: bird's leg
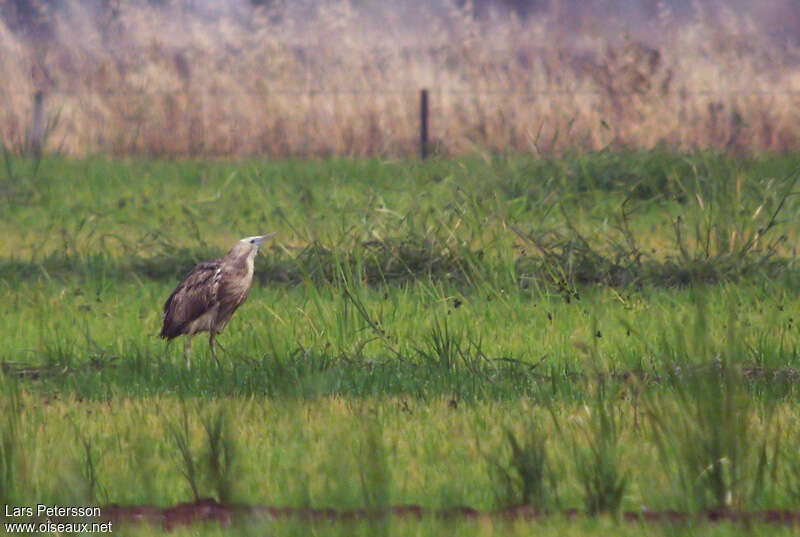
<point x="211" y="342"/>
<point x="187" y="347"/>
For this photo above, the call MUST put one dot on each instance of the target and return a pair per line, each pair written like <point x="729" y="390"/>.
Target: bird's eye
<point x="252" y="241"/>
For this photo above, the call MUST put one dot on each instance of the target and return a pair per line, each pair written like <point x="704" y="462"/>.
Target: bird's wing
<point x="194" y="296"/>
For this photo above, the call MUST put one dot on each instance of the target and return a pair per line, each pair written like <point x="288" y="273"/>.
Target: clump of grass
<point x="181" y="435"/>
<point x="30" y="146"/>
<point x="12" y="470"/>
<point x="717" y="455"/>
<point x="526" y="477"/>
<point x="443" y="347"/>
<point x="715" y="443"/>
<point x="376" y="479"/>
<point x="221" y="457"/>
<point x="90" y="470"/>
<point x="213" y="470"/>
<point x="375" y="474"/>
<point x="786" y="453"/>
<point x="80" y="482"/>
<point x="389" y="259"/>
<point x="598" y="457"/>
<point x="569" y="260"/>
<point x="725" y="243"/>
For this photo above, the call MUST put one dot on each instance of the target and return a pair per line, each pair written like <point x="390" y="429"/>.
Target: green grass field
<point x="607" y="332"/>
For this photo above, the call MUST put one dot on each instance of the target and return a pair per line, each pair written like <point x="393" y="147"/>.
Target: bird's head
<point x="249" y="245"/>
<point x="258" y="240"/>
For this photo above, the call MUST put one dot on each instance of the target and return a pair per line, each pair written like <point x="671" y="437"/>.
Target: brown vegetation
<point x="208" y="510"/>
<point x="172" y="78"/>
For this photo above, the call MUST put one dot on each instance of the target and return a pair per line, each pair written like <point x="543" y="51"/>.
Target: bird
<point x="209" y="295"/>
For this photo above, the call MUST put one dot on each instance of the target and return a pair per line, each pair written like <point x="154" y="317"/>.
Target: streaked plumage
<point x="206" y="299"/>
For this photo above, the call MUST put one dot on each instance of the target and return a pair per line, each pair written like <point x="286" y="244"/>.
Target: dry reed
<point x="179" y="78"/>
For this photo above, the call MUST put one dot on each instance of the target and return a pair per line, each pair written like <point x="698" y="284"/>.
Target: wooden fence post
<point x="423" y="123"/>
<point x="37" y="125"/>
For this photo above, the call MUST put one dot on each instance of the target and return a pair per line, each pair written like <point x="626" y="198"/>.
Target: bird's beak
<point x="264" y="238"/>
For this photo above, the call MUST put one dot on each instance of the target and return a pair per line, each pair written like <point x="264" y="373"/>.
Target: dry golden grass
<point x="320" y="79"/>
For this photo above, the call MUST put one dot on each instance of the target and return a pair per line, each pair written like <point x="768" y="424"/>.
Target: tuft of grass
<point x="181" y="436"/>
<point x="12" y="464"/>
<point x="90" y="471"/>
<point x="730" y="237"/>
<point x="526" y="476"/>
<point x="221" y="457"/>
<point x="443" y="347"/>
<point x="598" y="458"/>
<point x="375" y="477"/>
<point x="214" y="470"/>
<point x="716" y="443"/>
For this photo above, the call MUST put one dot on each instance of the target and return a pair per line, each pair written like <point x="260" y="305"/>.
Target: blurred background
<point x="295" y="79"/>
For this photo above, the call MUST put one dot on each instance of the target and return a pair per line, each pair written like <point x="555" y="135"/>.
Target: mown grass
<point x="607" y="332"/>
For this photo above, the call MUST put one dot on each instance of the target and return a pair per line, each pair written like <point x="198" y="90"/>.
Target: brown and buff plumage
<point x="209" y="295"/>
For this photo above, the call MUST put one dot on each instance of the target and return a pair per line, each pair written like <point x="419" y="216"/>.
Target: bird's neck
<point x="243" y="265"/>
<point x="250" y="263"/>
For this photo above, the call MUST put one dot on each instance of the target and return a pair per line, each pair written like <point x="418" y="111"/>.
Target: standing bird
<point x="207" y="297"/>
